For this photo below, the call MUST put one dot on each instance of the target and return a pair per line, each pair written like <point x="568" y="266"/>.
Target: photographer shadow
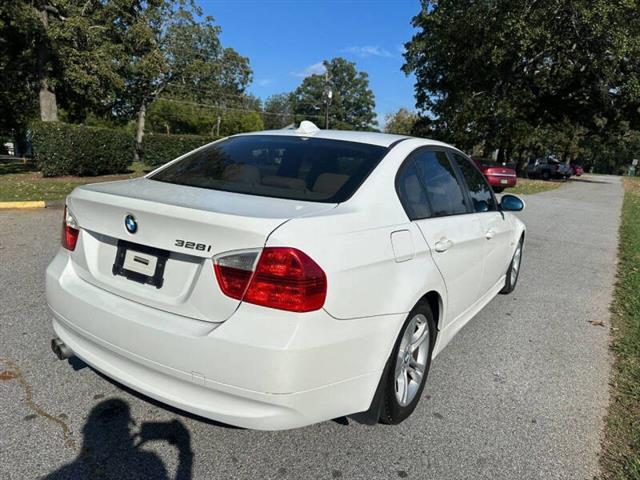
<point x="112" y="447"/>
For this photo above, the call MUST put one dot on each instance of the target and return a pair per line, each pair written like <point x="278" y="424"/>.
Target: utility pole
<point x="328" y="95"/>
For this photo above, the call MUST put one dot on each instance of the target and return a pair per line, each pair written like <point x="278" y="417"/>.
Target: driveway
<point x="519" y="393"/>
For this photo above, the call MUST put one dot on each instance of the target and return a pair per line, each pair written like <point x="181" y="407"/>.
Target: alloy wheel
<point x="411" y="362"/>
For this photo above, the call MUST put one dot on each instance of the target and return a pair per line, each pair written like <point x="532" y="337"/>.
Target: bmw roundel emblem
<point x="130" y="224"/>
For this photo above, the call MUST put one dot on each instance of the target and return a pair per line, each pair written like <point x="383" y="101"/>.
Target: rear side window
<point x="479" y="190"/>
<point x="444" y="192"/>
<point x="316" y="170"/>
<point x="411" y="193"/>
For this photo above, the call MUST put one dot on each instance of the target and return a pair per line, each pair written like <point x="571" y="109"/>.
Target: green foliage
<point x="238" y="122"/>
<point x="174" y="117"/>
<point x="505" y="74"/>
<point x="278" y="111"/>
<point x="178" y="117"/>
<point x="19" y="27"/>
<point x="352" y="105"/>
<point x="63" y="149"/>
<point x="161" y="148"/>
<point x="402" y="122"/>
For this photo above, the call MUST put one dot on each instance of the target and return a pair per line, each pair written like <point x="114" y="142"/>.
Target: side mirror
<point x="511" y="203"/>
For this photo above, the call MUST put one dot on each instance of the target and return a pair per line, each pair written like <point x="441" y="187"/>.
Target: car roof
<point x="371" y="138"/>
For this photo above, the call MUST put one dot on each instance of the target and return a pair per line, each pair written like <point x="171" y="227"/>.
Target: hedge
<point x="160" y="148"/>
<point x="64" y="149"/>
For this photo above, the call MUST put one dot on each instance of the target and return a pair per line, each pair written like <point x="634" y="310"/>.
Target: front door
<point x="495" y="227"/>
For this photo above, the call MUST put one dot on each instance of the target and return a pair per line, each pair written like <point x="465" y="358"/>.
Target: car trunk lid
<point x="188" y="225"/>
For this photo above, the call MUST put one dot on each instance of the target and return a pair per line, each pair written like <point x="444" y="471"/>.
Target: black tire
<point x="546" y="175"/>
<point x="512" y="273"/>
<point x="498" y="189"/>
<point x="391" y="411"/>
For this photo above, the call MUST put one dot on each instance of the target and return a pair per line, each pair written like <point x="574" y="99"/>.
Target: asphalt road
<point x="519" y="393"/>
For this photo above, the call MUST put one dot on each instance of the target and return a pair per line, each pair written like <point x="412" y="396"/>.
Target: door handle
<point x="490" y="234"/>
<point x="443" y="245"/>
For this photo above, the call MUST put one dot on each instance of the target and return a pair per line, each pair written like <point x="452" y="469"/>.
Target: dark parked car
<point x="547" y="168"/>
<point x="499" y="176"/>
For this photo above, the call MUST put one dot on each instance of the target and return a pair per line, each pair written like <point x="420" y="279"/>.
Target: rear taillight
<point x="70" y="230"/>
<point x="283" y="278"/>
<point x="234" y="270"/>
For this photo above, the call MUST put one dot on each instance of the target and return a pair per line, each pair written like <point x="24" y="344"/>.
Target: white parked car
<point x="276" y="279"/>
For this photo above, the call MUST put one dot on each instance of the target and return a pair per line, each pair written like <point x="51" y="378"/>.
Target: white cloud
<point x="263" y="82"/>
<point x="315" y="69"/>
<point x="368" y="51"/>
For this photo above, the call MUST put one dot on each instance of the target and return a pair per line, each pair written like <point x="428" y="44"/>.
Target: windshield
<point x="317" y="170"/>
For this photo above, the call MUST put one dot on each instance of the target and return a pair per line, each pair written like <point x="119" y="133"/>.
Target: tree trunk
<point x="520" y="165"/>
<point x="139" y="151"/>
<point x="48" y="102"/>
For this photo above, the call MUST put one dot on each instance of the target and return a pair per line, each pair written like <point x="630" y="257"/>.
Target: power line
<point x="220" y="107"/>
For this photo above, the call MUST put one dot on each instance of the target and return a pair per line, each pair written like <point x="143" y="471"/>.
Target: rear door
<point x="496" y="229"/>
<point x="434" y="197"/>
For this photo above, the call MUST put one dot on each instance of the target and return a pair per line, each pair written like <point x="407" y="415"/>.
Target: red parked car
<point x="498" y="176"/>
<point x="576" y="169"/>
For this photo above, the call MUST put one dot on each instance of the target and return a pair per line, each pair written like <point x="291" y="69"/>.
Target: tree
<point x="352" y="103"/>
<point x="56" y="54"/>
<point x="401" y="122"/>
<point x="168" y="51"/>
<point x="18" y="78"/>
<point x="278" y="111"/>
<point x="183" y="117"/>
<point x="494" y="72"/>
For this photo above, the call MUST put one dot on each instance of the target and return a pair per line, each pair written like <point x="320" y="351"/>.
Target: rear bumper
<point x="261" y="369"/>
<point x="498" y="181"/>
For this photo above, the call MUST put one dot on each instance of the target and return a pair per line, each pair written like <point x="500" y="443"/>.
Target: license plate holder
<point x="140" y="263"/>
<point x="504" y="182"/>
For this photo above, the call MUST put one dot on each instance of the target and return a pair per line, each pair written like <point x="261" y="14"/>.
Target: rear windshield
<point x="316" y="170"/>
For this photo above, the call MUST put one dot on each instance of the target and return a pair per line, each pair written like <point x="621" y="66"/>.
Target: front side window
<point x="479" y="191"/>
<point x="297" y="168"/>
<point x="444" y="192"/>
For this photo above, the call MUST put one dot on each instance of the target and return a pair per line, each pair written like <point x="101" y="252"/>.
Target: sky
<point x="286" y="40"/>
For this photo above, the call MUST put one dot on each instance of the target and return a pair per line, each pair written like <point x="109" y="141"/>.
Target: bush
<point x="240" y="122"/>
<point x="160" y="148"/>
<point x="65" y="149"/>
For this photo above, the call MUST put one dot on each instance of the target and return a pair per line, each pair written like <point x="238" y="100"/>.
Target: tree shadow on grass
<point x="113" y="447"/>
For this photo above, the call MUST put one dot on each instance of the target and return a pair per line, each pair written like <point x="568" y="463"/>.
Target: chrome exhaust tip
<point x="61" y="350"/>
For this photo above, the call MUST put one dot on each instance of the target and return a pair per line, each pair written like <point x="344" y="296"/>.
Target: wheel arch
<point x="435" y="301"/>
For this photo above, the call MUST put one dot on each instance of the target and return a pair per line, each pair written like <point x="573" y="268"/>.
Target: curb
<point x="32" y="204"/>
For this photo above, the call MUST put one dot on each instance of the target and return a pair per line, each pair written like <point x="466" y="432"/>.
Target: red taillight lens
<point x="284" y="278"/>
<point x="70" y="231"/>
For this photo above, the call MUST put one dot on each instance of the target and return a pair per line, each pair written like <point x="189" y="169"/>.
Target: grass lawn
<point x="21" y="182"/>
<point x="528" y="186"/>
<point x="621" y="446"/>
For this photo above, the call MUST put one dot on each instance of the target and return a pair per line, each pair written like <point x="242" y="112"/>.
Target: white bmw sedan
<point x="276" y="279"/>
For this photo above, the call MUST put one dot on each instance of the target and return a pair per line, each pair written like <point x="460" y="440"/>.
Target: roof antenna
<point x="307" y="128"/>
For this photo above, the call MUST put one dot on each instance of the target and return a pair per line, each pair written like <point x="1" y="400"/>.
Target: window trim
<point x="461" y="182"/>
